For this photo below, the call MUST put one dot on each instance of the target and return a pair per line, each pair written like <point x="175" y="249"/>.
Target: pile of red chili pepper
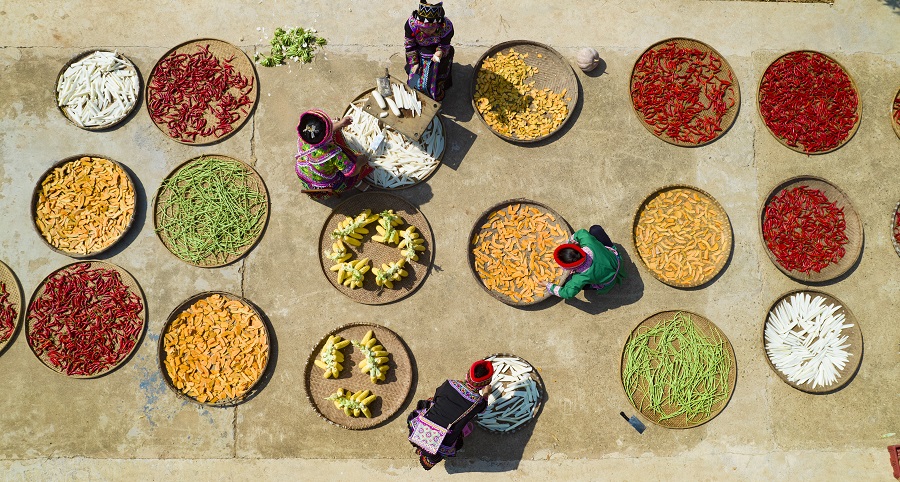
<point x="896" y="229"/>
<point x="683" y="93"/>
<point x="198" y="95"/>
<point x="808" y="101"/>
<point x="804" y="230"/>
<point x="8" y="314"/>
<point x="86" y="320"/>
<point x="896" y="110"/>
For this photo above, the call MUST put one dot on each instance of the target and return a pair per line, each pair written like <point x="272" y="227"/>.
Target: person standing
<point x="429" y="55"/>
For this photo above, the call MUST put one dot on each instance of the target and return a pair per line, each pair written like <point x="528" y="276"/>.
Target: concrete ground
<point x="128" y="425"/>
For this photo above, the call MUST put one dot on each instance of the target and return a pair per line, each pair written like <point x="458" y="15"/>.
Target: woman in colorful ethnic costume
<point x="593" y="261"/>
<point x="325" y="165"/>
<point x="454" y="405"/>
<point x="429" y="55"/>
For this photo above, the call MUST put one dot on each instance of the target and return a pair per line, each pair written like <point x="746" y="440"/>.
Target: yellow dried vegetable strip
<point x="681" y="236"/>
<point x="85" y="205"/>
<point x="216" y="349"/>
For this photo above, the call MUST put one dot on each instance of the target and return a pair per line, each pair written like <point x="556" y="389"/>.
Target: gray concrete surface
<point x="129" y="426"/>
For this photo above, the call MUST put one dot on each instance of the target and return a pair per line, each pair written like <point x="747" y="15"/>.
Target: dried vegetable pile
<point x="98" y="90"/>
<point x="895" y="113"/>
<point x="673" y="369"/>
<point x="804" y="230"/>
<point x="683" y="236"/>
<point x="808" y="101"/>
<point x="85" y="320"/>
<point x="85" y="205"/>
<point x="515" y="396"/>
<point x="198" y="95"/>
<point x="512" y="106"/>
<point x="216" y="350"/>
<point x="8" y="314"/>
<point x="211" y="210"/>
<point x="683" y="93"/>
<point x="514" y="252"/>
<point x="896" y="231"/>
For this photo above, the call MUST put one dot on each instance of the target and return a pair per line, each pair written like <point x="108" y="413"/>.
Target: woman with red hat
<point x="593" y="261"/>
<point x="437" y="425"/>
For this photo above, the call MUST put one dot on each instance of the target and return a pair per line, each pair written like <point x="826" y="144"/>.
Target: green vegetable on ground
<point x="297" y="44"/>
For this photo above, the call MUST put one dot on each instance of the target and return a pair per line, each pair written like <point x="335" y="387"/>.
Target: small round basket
<point x="855" y="340"/>
<point x="481" y="227"/>
<point x="223" y="51"/>
<point x="392" y="393"/>
<point x="161" y="349"/>
<point x="732" y="96"/>
<point x="378" y="253"/>
<point x="35" y="198"/>
<point x="554" y="73"/>
<point x="114" y="122"/>
<point x="895" y="228"/>
<point x="215" y="260"/>
<point x="725" y="241"/>
<point x="854" y="229"/>
<point x="709" y="330"/>
<point x="895" y="114"/>
<point x="538" y="406"/>
<point x="127" y="280"/>
<point x="8" y="278"/>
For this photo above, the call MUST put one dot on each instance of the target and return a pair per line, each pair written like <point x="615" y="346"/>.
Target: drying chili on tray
<point x="8" y="314"/>
<point x="808" y="101"/>
<point x="198" y="95"/>
<point x="895" y="112"/>
<point x="682" y="93"/>
<point x="896" y="229"/>
<point x="85" y="321"/>
<point x="804" y="230"/>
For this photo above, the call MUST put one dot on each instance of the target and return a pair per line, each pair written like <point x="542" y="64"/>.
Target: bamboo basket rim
<point x="893" y="227"/>
<point x="16" y="298"/>
<point x="894" y="123"/>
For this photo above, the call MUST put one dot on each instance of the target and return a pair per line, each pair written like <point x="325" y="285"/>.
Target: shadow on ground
<point x="629" y="291"/>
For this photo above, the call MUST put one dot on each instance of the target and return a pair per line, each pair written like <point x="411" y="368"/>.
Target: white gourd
<point x="587" y="59"/>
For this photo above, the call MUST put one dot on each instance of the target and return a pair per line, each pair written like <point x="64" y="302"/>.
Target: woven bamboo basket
<point x="894" y="229"/>
<point x="127" y="279"/>
<point x="221" y="50"/>
<point x="855" y="341"/>
<point x="8" y="278"/>
<point x="733" y="95"/>
<point x="111" y="124"/>
<point x="854" y="229"/>
<point x="540" y="402"/>
<point x="895" y="121"/>
<point x="392" y="393"/>
<point x="710" y="330"/>
<point x="161" y="349"/>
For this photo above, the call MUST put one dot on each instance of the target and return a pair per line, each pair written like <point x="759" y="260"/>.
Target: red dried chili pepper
<point x="8" y="314"/>
<point x="897" y="226"/>
<point x="804" y="230"/>
<point x="896" y="110"/>
<point x="86" y="320"/>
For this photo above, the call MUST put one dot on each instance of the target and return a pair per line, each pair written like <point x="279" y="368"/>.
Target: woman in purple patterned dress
<point x="429" y="55"/>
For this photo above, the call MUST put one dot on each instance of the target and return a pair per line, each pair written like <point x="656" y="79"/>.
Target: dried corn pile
<point x="512" y="107"/>
<point x="85" y="205"/>
<point x="216" y="350"/>
<point x="682" y="236"/>
<point x="514" y="252"/>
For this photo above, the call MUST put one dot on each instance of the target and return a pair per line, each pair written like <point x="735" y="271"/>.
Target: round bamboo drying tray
<point x="554" y="73"/>
<point x="440" y="157"/>
<point x="797" y="148"/>
<point x="255" y="180"/>
<point x="855" y="340"/>
<point x="378" y="253"/>
<point x="726" y="241"/>
<point x="731" y="95"/>
<point x="534" y="375"/>
<point x="709" y="329"/>
<point x="392" y="393"/>
<point x="35" y="194"/>
<point x="161" y="348"/>
<point x="895" y="107"/>
<point x="854" y="229"/>
<point x="894" y="228"/>
<point x="127" y="280"/>
<point x="477" y="229"/>
<point x="110" y="124"/>
<point x="221" y="50"/>
<point x="8" y="278"/>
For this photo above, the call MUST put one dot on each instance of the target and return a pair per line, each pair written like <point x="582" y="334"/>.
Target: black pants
<point x="598" y="232"/>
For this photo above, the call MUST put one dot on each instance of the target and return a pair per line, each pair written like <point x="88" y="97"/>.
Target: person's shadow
<point x="629" y="291"/>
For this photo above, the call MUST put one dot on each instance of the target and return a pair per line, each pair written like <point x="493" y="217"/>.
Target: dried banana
<point x="390" y="273"/>
<point x="331" y="357"/>
<point x="375" y="363"/>
<point x="387" y="224"/>
<point x="353" y="404"/>
<point x="351" y="230"/>
<point x="352" y="273"/>
<point x="339" y="252"/>
<point x="411" y="243"/>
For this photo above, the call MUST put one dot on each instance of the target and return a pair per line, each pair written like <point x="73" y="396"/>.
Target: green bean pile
<point x="210" y="210"/>
<point x="675" y="369"/>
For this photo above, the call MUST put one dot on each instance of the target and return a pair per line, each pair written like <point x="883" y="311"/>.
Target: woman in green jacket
<point x="593" y="261"/>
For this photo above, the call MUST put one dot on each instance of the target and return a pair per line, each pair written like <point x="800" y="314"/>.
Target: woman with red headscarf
<point x="325" y="165"/>
<point x="593" y="261"/>
<point x="437" y="425"/>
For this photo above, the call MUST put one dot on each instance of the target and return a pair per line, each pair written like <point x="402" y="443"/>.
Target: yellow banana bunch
<point x="351" y="230"/>
<point x="353" y="404"/>
<point x="331" y="357"/>
<point x="387" y="232"/>
<point x="390" y="273"/>
<point x="375" y="363"/>
<point x="339" y="252"/>
<point x="411" y="242"/>
<point x="351" y="273"/>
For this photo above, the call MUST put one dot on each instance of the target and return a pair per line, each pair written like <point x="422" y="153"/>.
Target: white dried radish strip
<point x="98" y="90"/>
<point x="398" y="161"/>
<point x="515" y="397"/>
<point x="804" y="340"/>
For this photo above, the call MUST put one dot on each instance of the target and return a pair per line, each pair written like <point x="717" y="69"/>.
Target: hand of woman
<point x="344" y="122"/>
<point x="486" y="391"/>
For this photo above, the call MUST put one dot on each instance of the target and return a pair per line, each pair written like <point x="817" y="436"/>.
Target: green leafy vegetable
<point x="297" y="44"/>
